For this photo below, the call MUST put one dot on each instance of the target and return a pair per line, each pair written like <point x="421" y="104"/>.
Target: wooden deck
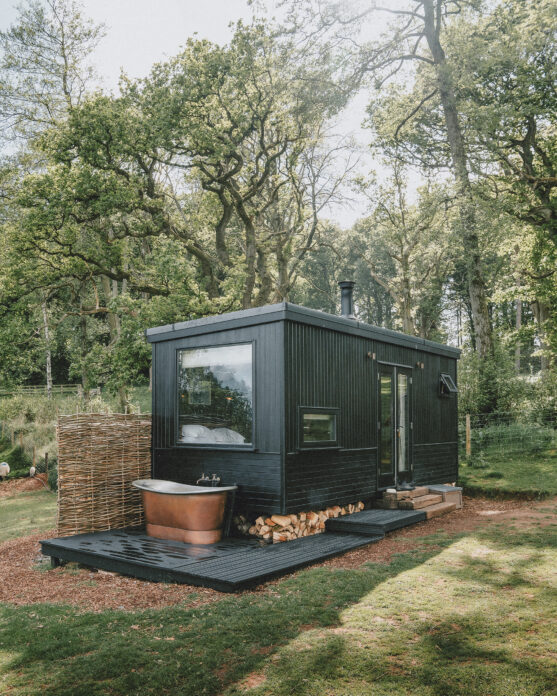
<point x="231" y="565"/>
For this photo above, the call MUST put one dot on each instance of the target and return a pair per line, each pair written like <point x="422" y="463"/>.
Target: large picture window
<point x="215" y="395"/>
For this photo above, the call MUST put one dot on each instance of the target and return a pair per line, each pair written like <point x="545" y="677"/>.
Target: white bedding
<point x="199" y="434"/>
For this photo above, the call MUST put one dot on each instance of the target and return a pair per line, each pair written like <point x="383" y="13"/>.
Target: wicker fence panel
<point x="99" y="455"/>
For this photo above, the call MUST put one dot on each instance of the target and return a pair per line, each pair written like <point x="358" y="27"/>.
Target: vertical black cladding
<point x="329" y="370"/>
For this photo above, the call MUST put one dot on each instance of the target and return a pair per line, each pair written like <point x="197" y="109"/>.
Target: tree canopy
<point x="207" y="185"/>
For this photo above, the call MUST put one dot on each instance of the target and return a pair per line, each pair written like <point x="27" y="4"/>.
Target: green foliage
<point x="506" y="71"/>
<point x="43" y="65"/>
<point x="407" y="250"/>
<point x="477" y="460"/>
<point x="489" y="385"/>
<point x="29" y="409"/>
<point x="493" y="386"/>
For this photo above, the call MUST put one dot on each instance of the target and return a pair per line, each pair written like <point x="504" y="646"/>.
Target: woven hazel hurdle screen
<point x="99" y="455"/>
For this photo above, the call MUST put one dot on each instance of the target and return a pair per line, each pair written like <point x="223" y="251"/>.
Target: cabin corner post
<point x="154" y="428"/>
<point x="283" y="386"/>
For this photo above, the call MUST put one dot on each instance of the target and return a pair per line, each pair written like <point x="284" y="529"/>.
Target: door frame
<point x="394" y="369"/>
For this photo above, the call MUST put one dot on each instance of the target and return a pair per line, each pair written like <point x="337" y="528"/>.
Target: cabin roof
<point x="285" y="311"/>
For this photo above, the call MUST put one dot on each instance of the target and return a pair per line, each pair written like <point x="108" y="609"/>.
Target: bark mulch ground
<point x="20" y="485"/>
<point x="26" y="577"/>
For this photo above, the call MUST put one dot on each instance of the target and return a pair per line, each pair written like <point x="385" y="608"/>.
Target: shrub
<point x="17" y="459"/>
<point x="12" y="407"/>
<point x="476" y="461"/>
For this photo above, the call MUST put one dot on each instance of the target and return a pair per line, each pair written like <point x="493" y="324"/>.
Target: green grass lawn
<point x="528" y="474"/>
<point x="27" y="513"/>
<point x="458" y="616"/>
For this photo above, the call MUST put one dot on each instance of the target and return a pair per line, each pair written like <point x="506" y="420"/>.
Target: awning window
<point x="447" y="385"/>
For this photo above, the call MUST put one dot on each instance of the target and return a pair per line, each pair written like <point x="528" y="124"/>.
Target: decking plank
<point x="280" y="558"/>
<point x="227" y="566"/>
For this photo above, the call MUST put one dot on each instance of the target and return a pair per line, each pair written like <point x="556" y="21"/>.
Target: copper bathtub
<point x="192" y="514"/>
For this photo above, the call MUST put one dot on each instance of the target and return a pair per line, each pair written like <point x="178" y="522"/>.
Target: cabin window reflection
<point x="215" y="395"/>
<point x="318" y="428"/>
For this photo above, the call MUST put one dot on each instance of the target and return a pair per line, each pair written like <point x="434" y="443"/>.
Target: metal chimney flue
<point x="346" y="299"/>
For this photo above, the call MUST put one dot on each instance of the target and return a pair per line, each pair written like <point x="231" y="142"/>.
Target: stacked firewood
<point x="277" y="528"/>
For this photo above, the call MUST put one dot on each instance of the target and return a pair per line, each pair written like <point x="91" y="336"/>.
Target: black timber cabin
<point x="301" y="409"/>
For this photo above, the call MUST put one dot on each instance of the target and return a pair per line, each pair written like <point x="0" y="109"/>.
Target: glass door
<point x="403" y="426"/>
<point x="386" y="454"/>
<point x="394" y="424"/>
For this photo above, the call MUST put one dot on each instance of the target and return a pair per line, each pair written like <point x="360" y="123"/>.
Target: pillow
<point x="196" y="433"/>
<point x="227" y="436"/>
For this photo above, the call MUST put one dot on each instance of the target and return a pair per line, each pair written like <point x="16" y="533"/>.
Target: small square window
<point x="318" y="427"/>
<point x="447" y="385"/>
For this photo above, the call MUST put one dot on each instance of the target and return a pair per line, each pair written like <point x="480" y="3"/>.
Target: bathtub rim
<point x="176" y="488"/>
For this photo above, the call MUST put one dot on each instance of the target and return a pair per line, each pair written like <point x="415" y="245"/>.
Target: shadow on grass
<point x="299" y="631"/>
<point x="450" y="659"/>
<point x="55" y="650"/>
<point x="477" y="640"/>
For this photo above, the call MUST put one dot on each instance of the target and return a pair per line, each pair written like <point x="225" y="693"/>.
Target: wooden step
<point x="439" y="509"/>
<point x="374" y="521"/>
<point x="404" y="495"/>
<point x="386" y="504"/>
<point x="451" y="494"/>
<point x="422" y="501"/>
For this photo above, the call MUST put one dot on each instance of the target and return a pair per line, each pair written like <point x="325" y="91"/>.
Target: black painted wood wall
<point x="330" y="369"/>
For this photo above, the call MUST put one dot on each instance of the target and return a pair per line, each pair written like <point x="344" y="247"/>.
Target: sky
<point x="142" y="32"/>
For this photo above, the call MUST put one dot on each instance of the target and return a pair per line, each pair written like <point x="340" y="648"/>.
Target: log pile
<point x="277" y="528"/>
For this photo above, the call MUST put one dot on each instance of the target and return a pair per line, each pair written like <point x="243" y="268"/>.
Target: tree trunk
<point x="283" y="281"/>
<point x="475" y="279"/>
<point x="266" y="280"/>
<point x="405" y="303"/>
<point x="84" y="373"/>
<point x="123" y="398"/>
<point x="250" y="256"/>
<point x="542" y="314"/>
<point x="518" y="324"/>
<point x="111" y="291"/>
<point x="407" y="322"/>
<point x="48" y="352"/>
<point x="220" y="231"/>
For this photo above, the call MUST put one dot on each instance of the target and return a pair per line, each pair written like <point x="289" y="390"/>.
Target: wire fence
<point x="499" y="434"/>
<point x="42" y="390"/>
<point x="18" y="450"/>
